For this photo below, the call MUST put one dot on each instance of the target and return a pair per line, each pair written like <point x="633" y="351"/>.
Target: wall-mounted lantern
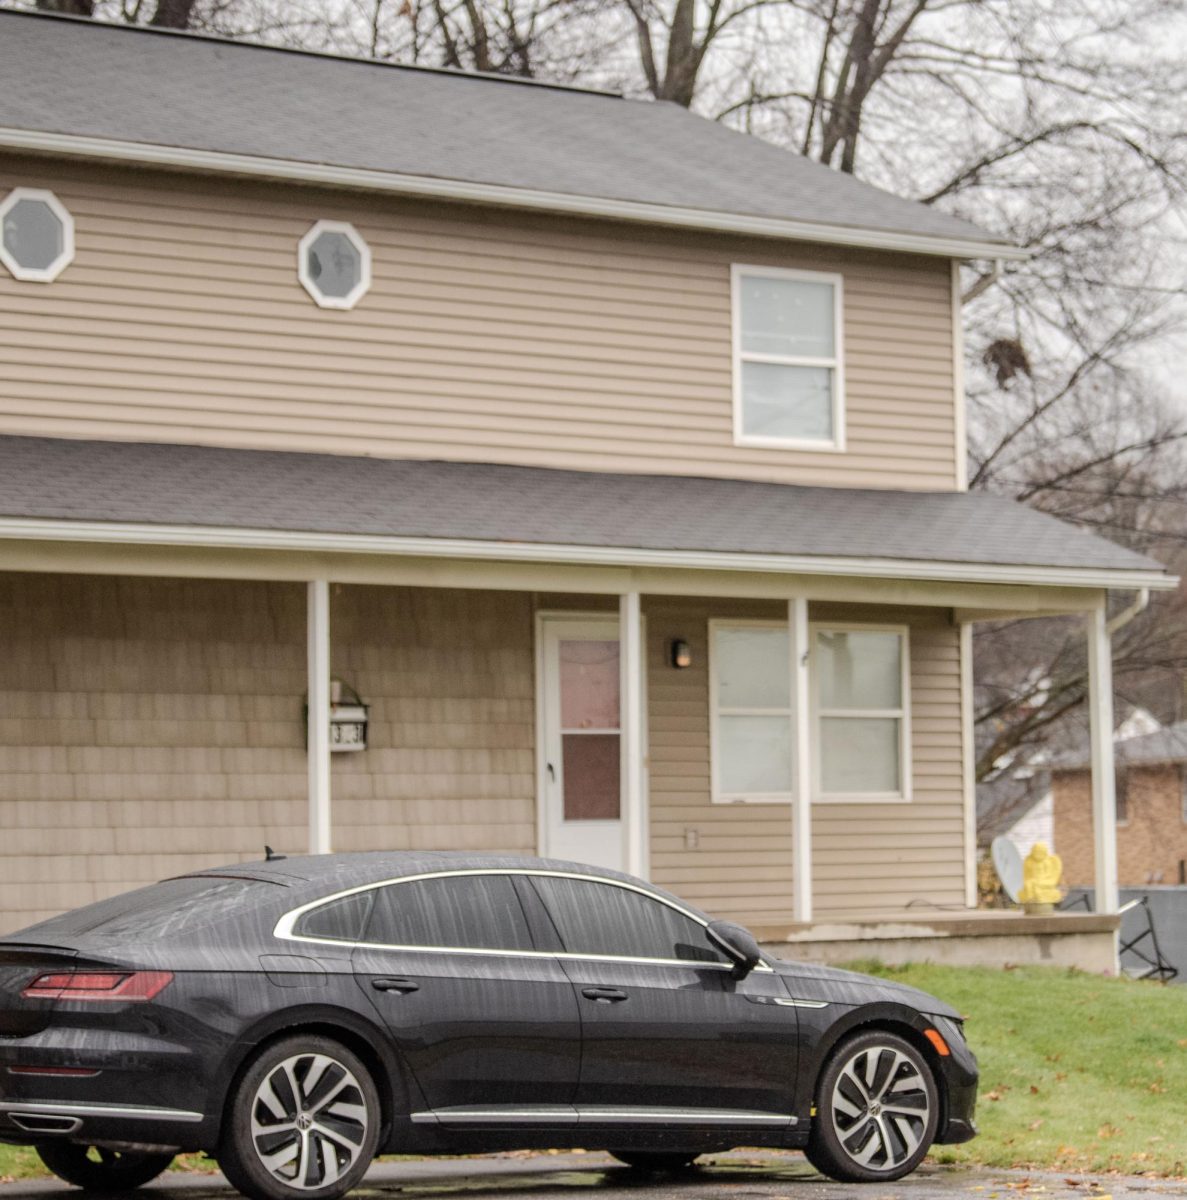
<point x="348" y="718"/>
<point x="679" y="654"/>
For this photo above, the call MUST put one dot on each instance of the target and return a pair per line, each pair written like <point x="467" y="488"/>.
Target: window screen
<point x="341" y="920"/>
<point x="599" y="918"/>
<point x="478" y="912"/>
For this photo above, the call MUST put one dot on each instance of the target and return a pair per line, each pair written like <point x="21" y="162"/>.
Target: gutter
<point x="218" y="162"/>
<point x="1126" y="615"/>
<point x="223" y="538"/>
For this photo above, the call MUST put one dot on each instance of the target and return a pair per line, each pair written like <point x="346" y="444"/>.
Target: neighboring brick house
<point x="1151" y="811"/>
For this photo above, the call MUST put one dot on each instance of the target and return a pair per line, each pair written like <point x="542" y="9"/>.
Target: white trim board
<point x="365" y="179"/>
<point x="222" y="538"/>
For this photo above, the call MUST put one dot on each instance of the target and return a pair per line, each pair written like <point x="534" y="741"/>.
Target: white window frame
<point x="307" y="281"/>
<point x="738" y="271"/>
<point x="64" y="259"/>
<point x="715" y="714"/>
<point x="903" y="714"/>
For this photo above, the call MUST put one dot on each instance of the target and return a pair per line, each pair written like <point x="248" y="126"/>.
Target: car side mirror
<point x="737" y="944"/>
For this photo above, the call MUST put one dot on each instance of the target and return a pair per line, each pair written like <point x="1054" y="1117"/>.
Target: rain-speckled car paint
<point x="478" y="1030"/>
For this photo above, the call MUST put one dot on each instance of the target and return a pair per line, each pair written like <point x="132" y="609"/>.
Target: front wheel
<point x="96" y="1169"/>
<point x="655" y="1160"/>
<point x="303" y="1121"/>
<point x="876" y="1110"/>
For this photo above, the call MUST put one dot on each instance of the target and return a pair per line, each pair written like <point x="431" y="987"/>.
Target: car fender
<point x="398" y="1089"/>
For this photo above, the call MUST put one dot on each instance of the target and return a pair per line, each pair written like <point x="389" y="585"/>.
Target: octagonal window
<point x="334" y="264"/>
<point x="37" y="241"/>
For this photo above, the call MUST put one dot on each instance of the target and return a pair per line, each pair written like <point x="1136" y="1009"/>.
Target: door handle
<point x="395" y="985"/>
<point x="604" y="995"/>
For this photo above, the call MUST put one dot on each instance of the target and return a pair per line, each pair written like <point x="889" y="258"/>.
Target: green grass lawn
<point x="1078" y="1073"/>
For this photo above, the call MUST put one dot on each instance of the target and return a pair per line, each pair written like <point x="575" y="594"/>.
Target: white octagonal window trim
<point x="36" y="235"/>
<point x="334" y="264"/>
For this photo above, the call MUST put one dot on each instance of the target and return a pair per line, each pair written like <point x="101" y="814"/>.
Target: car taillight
<point x="121" y="986"/>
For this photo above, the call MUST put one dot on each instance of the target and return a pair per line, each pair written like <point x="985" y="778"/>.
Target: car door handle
<point x="604" y="995"/>
<point x="395" y="985"/>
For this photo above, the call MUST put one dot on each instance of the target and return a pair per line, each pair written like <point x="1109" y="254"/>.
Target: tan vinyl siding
<point x="865" y="857"/>
<point x="152" y="727"/>
<point x="487" y="335"/>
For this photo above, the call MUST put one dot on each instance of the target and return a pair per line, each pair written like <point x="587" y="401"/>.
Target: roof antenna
<point x="270" y="855"/>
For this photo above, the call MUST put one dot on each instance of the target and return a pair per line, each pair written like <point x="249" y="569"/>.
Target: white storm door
<point x="581" y="760"/>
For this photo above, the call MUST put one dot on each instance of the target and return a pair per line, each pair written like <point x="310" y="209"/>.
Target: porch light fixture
<point x="349" y="718"/>
<point x="679" y="654"/>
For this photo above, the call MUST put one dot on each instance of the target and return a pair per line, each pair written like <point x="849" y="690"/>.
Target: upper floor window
<point x="334" y="264"/>
<point x="38" y="235"/>
<point x="788" y="365"/>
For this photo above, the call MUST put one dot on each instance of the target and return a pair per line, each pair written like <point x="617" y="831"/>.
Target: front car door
<point x="487" y="1025"/>
<point x="664" y="1024"/>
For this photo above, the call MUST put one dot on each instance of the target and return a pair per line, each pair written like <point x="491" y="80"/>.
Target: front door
<point x="581" y="756"/>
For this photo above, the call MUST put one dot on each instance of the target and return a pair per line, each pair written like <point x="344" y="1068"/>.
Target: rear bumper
<point x="27" y="1121"/>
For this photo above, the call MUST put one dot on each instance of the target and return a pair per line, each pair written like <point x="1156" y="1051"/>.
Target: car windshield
<point x="161" y="910"/>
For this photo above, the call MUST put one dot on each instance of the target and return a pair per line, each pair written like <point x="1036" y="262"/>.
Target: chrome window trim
<point x="66" y="1108"/>
<point x="284" y="928"/>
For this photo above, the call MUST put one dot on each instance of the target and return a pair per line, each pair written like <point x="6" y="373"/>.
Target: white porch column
<point x="318" y="633"/>
<point x="801" y="755"/>
<point x="1104" y="783"/>
<point x="632" y="735"/>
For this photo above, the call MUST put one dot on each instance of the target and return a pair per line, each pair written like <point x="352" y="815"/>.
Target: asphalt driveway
<point x="734" y="1176"/>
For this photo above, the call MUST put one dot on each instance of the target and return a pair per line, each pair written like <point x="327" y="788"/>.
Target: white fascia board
<point x="214" y="537"/>
<point x="254" y="166"/>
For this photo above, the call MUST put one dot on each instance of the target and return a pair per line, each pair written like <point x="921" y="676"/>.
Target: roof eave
<point x="146" y="154"/>
<point x="217" y="537"/>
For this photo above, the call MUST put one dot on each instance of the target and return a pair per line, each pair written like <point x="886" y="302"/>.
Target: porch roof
<point x="139" y="491"/>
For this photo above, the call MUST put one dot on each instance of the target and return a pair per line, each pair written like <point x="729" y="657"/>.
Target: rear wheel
<point x="876" y="1110"/>
<point x="655" y="1160"/>
<point x="303" y="1121"/>
<point x="95" y="1169"/>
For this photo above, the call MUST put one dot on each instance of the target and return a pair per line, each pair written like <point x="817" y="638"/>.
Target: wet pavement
<point x="733" y="1176"/>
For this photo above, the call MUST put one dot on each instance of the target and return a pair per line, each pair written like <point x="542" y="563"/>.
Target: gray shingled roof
<point x="166" y="89"/>
<point x="320" y="493"/>
<point x="1167" y="745"/>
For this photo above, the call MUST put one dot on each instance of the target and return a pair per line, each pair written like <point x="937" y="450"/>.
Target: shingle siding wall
<point x="487" y="336"/>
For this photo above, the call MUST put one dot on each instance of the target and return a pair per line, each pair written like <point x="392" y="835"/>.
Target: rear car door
<point x="664" y="1024"/>
<point x="487" y="1024"/>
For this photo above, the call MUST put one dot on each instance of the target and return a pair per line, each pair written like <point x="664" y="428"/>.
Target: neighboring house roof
<point x="85" y="87"/>
<point x="47" y="485"/>
<point x="1167" y="745"/>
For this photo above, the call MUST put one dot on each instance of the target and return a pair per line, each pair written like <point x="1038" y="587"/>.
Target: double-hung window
<point x="861" y="688"/>
<point x="789" y="386"/>
<point x="860" y="713"/>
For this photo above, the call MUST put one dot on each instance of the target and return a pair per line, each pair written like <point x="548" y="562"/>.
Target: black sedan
<point x="298" y="1016"/>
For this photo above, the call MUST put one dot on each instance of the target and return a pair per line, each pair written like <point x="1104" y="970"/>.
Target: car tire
<point x="655" y="1160"/>
<point x="303" y="1121"/>
<point x="96" y="1169"/>
<point x="877" y="1105"/>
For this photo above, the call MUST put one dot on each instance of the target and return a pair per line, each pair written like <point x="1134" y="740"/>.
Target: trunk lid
<point x="20" y="964"/>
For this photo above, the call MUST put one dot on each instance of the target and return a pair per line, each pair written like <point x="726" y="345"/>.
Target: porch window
<point x="750" y="686"/>
<point x="788" y="373"/>
<point x="862" y="688"/>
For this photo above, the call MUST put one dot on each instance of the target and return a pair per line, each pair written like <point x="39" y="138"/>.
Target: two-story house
<point x="613" y="459"/>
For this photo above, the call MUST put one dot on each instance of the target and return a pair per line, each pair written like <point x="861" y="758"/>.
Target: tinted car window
<point x="599" y="918"/>
<point x="163" y="909"/>
<point x="479" y="912"/>
<point x="342" y="920"/>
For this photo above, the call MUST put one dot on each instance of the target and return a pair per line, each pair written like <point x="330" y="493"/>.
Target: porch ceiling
<point x="141" y="493"/>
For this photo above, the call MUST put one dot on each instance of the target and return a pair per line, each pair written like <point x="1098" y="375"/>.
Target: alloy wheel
<point x="880" y="1108"/>
<point x="308" y="1121"/>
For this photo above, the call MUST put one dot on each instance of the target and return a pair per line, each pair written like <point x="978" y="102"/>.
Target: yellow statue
<point x="1041" y="872"/>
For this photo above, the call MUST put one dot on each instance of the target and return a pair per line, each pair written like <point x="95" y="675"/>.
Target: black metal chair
<point x="1153" y="964"/>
